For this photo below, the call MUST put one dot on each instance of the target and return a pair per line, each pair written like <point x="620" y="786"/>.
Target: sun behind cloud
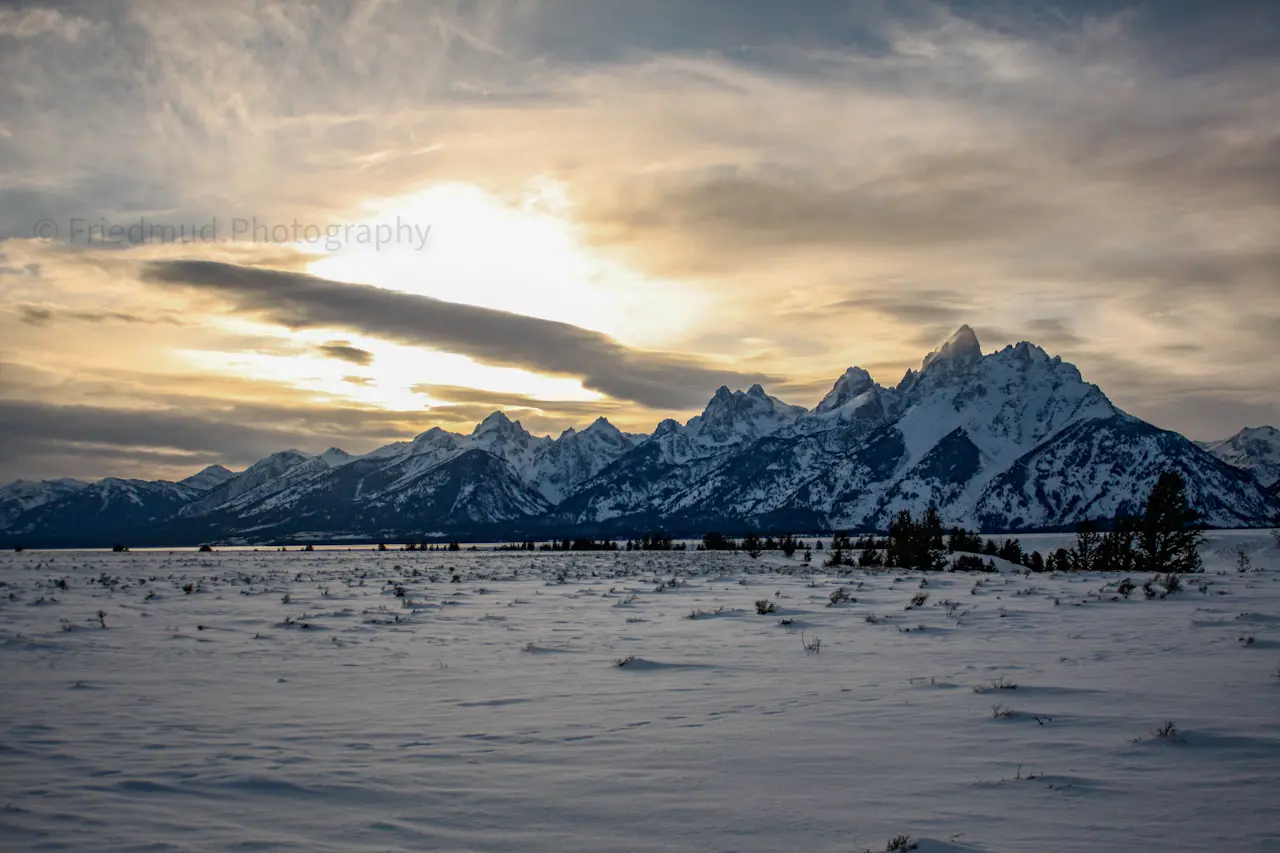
<point x="523" y="254"/>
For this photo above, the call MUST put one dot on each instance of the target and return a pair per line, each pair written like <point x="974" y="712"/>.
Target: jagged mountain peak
<point x="726" y="403"/>
<point x="497" y="421"/>
<point x="1026" y="355"/>
<point x="499" y="429"/>
<point x="851" y="384"/>
<point x="961" y="348"/>
<point x="561" y="465"/>
<point x="599" y="426"/>
<point x="509" y="440"/>
<point x="602" y="424"/>
<point x="666" y="426"/>
<point x="733" y="418"/>
<point x="958" y="364"/>
<point x="597" y="430"/>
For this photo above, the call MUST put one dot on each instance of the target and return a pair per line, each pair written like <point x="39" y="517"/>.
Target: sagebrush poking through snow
<point x="1000" y="683"/>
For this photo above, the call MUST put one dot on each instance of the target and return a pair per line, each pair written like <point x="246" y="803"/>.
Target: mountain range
<point x="1012" y="440"/>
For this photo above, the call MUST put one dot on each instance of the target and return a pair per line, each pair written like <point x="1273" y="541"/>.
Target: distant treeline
<point x="426" y="546"/>
<point x="1163" y="537"/>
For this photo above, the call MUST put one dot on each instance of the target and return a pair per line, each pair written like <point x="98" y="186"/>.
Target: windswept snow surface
<point x="294" y="702"/>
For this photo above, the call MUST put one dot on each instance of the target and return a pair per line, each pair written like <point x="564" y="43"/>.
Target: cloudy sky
<point x="227" y="229"/>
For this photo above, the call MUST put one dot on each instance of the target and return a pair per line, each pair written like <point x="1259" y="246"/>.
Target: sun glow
<point x="391" y="380"/>
<point x="459" y="243"/>
<point x="524" y="255"/>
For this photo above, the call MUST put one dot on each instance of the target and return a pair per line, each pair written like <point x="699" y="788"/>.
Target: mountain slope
<point x="939" y="437"/>
<point x="1104" y="469"/>
<point x="370" y="498"/>
<point x="98" y="513"/>
<point x="642" y="482"/>
<point x="208" y="479"/>
<point x="23" y="496"/>
<point x="256" y="475"/>
<point x="575" y="457"/>
<point x="1255" y="449"/>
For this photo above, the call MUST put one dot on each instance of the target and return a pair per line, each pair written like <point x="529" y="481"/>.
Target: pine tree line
<point x="1164" y="537"/>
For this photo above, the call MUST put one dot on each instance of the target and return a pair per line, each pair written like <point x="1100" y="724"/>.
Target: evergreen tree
<point x="1167" y="538"/>
<point x="915" y="546"/>
<point x="963" y="540"/>
<point x="931" y="529"/>
<point x="1011" y="550"/>
<point x="1059" y="560"/>
<point x="1115" y="548"/>
<point x="717" y="542"/>
<point x="1084" y="556"/>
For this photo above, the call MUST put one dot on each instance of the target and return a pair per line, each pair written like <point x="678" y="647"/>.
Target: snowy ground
<point x="490" y="714"/>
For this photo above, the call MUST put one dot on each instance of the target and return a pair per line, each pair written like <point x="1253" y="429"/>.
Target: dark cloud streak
<point x="344" y="351"/>
<point x="299" y="301"/>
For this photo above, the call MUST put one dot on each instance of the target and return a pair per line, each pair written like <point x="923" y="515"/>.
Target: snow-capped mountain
<point x="734" y="419"/>
<point x="265" y="480"/>
<point x="209" y="478"/>
<point x="1255" y="449"/>
<point x="95" y="512"/>
<point x="508" y="440"/>
<point x="335" y="456"/>
<point x="1103" y="468"/>
<point x="955" y="433"/>
<point x="963" y="419"/>
<point x="575" y="457"/>
<point x="258" y="474"/>
<point x="22" y="496"/>
<point x="854" y="397"/>
<point x="440" y="479"/>
<point x="644" y="479"/>
<point x="939" y="437"/>
<point x="1014" y="439"/>
<point x="396" y="496"/>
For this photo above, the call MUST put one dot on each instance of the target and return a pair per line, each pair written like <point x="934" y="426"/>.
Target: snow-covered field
<point x="294" y="701"/>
